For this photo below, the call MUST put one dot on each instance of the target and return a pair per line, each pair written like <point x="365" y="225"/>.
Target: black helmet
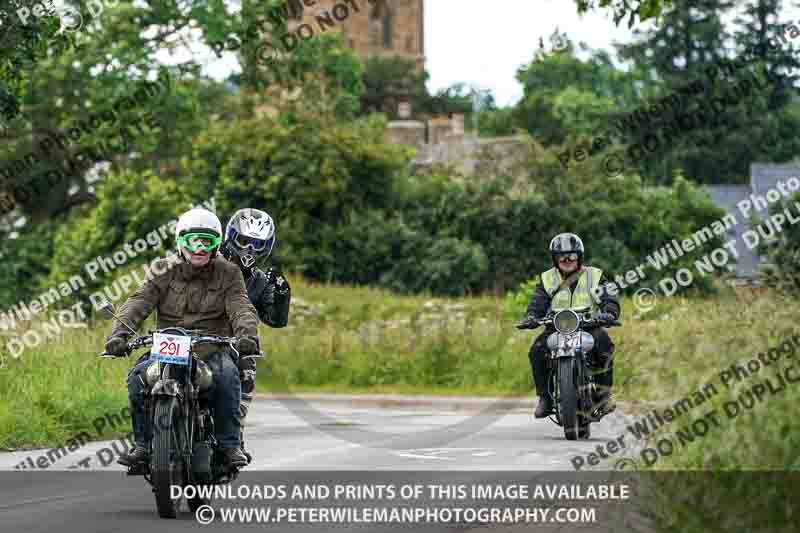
<point x="564" y="243"/>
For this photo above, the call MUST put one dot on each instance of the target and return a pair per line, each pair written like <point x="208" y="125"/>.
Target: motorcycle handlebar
<point x="144" y="340"/>
<point x="548" y="320"/>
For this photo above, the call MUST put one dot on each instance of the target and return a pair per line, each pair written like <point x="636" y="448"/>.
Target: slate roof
<point x="763" y="177"/>
<point x="726" y="197"/>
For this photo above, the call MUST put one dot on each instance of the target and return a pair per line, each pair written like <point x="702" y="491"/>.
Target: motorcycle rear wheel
<point x="568" y="398"/>
<point x="168" y="467"/>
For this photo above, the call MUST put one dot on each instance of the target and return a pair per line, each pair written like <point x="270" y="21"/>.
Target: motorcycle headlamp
<point x="152" y="374"/>
<point x="566" y="321"/>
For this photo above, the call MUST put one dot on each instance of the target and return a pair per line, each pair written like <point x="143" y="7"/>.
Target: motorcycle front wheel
<point x="568" y="397"/>
<point x="168" y="467"/>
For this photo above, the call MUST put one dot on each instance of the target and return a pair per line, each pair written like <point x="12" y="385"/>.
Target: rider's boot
<point x="244" y="407"/>
<point x="234" y="457"/>
<point x="605" y="405"/>
<point x="137" y="455"/>
<point x="544" y="407"/>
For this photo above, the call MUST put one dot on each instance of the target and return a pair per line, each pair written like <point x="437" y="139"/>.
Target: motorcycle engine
<point x="560" y="341"/>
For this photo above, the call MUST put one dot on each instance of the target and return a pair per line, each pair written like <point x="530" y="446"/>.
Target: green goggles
<point x="205" y="242"/>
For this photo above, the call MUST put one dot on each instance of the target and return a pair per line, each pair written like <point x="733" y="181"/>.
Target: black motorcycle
<point x="570" y="380"/>
<point x="184" y="450"/>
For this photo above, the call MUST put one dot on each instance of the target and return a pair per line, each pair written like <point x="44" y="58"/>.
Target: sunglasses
<point x="567" y="257"/>
<point x="244" y="242"/>
<point x="206" y="242"/>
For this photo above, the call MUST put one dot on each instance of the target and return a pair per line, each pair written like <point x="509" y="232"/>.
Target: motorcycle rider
<point x="203" y="292"/>
<point x="572" y="285"/>
<point x="250" y="236"/>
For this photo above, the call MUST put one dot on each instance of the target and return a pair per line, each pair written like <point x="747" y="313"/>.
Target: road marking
<point x="483" y="454"/>
<point x="436" y="453"/>
<point x="415" y="456"/>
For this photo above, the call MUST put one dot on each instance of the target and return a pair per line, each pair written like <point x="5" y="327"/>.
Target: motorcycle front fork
<point x="586" y="386"/>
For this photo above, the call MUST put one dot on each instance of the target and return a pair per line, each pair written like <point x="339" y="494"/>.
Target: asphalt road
<point x="86" y="490"/>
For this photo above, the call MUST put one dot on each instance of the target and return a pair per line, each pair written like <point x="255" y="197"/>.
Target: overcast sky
<point x="485" y="46"/>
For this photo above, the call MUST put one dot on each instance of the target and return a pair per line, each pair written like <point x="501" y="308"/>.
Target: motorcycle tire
<point x="568" y="398"/>
<point x="195" y="503"/>
<point x="167" y="468"/>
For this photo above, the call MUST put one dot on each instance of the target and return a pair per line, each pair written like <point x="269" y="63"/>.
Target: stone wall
<point x="447" y="144"/>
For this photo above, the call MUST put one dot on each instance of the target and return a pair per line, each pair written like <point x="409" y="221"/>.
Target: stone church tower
<point x="378" y="27"/>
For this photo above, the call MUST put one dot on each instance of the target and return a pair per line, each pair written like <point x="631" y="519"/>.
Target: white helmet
<point x="200" y="221"/>
<point x="250" y="235"/>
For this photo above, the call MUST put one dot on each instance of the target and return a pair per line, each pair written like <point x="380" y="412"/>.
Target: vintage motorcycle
<point x="570" y="379"/>
<point x="184" y="450"/>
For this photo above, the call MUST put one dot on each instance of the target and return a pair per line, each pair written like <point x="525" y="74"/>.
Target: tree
<point x="690" y="42"/>
<point x="20" y="46"/>
<point x="389" y="79"/>
<point x="643" y="10"/>
<point x="82" y="77"/>
<point x="547" y="109"/>
<point x="759" y="25"/>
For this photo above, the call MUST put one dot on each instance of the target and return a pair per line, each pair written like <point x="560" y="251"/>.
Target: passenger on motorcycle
<point x="250" y="236"/>
<point x="203" y="292"/>
<point x="572" y="285"/>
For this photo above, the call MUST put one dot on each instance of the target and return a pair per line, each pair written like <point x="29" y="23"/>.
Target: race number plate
<point x="170" y="349"/>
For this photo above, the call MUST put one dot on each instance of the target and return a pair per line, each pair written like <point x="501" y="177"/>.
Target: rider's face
<point x="197" y="259"/>
<point x="566" y="264"/>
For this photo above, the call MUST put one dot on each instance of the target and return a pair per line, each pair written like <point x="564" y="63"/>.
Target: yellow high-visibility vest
<point x="581" y="298"/>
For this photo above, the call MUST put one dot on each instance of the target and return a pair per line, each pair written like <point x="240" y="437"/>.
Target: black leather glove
<point x="247" y="345"/>
<point x="117" y="346"/>
<point x="606" y="318"/>
<point x="275" y="283"/>
<point x="281" y="284"/>
<point x="529" y="322"/>
<point x="267" y="296"/>
<point x="248" y="378"/>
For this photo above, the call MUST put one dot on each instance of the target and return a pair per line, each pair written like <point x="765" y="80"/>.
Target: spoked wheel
<point x="583" y="429"/>
<point x="167" y="461"/>
<point x="568" y="398"/>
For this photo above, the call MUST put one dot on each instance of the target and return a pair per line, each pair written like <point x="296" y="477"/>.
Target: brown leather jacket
<point x="212" y="298"/>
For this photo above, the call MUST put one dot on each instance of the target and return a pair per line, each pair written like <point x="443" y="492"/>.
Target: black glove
<point x="275" y="283"/>
<point x="281" y="284"/>
<point x="606" y="318"/>
<point x="529" y="322"/>
<point x="247" y="345"/>
<point x="248" y="378"/>
<point x="117" y="346"/>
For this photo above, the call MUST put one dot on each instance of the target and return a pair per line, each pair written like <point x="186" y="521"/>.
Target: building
<point x="763" y="177"/>
<point x="376" y="27"/>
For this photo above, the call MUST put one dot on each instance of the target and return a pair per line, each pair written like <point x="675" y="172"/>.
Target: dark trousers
<point x="223" y="397"/>
<point x="601" y="359"/>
